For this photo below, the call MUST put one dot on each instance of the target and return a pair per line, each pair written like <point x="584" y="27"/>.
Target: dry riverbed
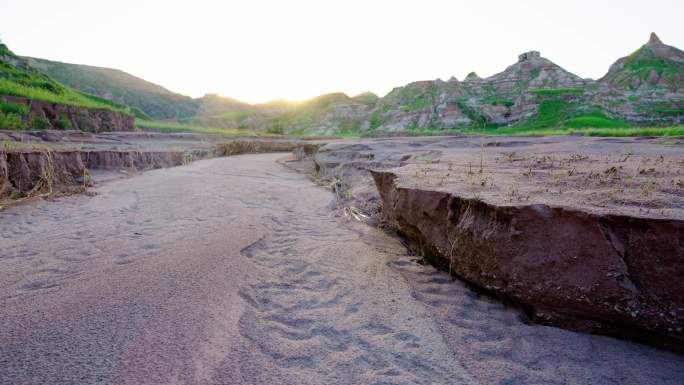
<point x="240" y="270"/>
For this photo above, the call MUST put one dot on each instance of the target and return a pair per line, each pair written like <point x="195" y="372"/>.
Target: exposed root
<point x="353" y="212"/>
<point x="45" y="182"/>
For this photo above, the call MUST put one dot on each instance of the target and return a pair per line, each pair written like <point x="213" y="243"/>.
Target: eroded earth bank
<point x="581" y="233"/>
<point x="51" y="162"/>
<point x="240" y="270"/>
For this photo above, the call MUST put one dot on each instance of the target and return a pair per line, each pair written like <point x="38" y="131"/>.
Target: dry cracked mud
<point x="236" y="271"/>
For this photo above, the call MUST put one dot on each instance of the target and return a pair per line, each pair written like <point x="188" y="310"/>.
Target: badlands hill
<point x="642" y="89"/>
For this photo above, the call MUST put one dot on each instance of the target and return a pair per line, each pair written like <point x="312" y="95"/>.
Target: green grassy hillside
<point x="653" y="65"/>
<point x="153" y="100"/>
<point x="645" y="67"/>
<point x="17" y="79"/>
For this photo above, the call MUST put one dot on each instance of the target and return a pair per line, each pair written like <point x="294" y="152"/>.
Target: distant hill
<point x="329" y="113"/>
<point x="223" y="112"/>
<point x="653" y="65"/>
<point x="366" y="97"/>
<point x="644" y="88"/>
<point x="325" y="113"/>
<point x="213" y="104"/>
<point x="153" y="100"/>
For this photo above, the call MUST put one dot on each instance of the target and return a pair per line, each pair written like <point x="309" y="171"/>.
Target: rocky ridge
<point x="537" y="92"/>
<point x="645" y="88"/>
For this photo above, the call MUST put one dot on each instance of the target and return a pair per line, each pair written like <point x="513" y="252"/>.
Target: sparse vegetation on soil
<point x="167" y="127"/>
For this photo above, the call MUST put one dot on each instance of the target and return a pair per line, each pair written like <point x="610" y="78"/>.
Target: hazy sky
<point x="258" y="50"/>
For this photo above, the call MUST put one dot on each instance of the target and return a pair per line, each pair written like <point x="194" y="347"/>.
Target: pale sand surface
<point x="236" y="271"/>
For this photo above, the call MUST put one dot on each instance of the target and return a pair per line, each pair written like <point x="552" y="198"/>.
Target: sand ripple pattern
<point x="498" y="346"/>
<point x="311" y="312"/>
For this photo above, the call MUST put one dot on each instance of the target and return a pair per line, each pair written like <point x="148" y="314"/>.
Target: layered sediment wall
<point x="29" y="173"/>
<point x="256" y="146"/>
<point x="61" y="116"/>
<point x="133" y="160"/>
<point x="601" y="273"/>
<point x="25" y="173"/>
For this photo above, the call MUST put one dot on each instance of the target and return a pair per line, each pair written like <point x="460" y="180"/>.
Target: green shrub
<point x="16" y="108"/>
<point x="376" y="120"/>
<point x="11" y="121"/>
<point x="63" y="123"/>
<point x="473" y="114"/>
<point x="276" y="129"/>
<point x="668" y="109"/>
<point x="594" y="121"/>
<point x="498" y="101"/>
<point x="41" y="123"/>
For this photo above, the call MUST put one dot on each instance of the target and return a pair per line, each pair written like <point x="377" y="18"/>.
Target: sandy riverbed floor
<point x="236" y="271"/>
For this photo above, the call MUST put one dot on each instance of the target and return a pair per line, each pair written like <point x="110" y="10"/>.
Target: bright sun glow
<point x="263" y="50"/>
